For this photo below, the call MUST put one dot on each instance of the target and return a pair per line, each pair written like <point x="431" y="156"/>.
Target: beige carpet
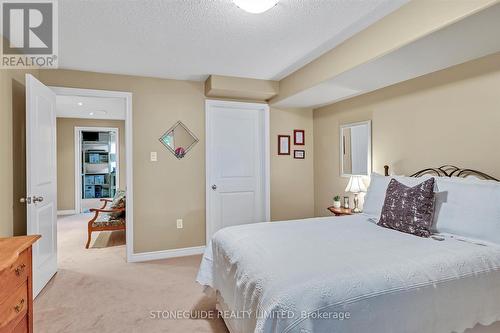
<point x="96" y="291"/>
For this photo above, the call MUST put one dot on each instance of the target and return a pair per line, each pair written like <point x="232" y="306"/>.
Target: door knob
<point x="25" y="200"/>
<point x="37" y="199"/>
<point x="214" y="187"/>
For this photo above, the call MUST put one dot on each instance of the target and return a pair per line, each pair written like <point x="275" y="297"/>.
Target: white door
<point x="237" y="164"/>
<point x="41" y="195"/>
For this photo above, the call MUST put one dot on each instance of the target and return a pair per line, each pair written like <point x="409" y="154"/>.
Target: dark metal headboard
<point x="448" y="171"/>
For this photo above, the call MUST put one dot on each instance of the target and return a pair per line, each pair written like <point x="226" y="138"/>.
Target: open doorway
<point x="46" y="155"/>
<point x="97" y="163"/>
<point x="91" y="171"/>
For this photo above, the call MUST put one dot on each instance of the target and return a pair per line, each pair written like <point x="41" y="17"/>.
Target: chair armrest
<point x="114" y="210"/>
<point x="105" y="201"/>
<point x="97" y="211"/>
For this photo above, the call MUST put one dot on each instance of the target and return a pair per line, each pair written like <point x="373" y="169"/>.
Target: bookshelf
<point x="98" y="165"/>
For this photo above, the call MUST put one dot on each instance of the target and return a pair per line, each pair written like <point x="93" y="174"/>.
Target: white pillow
<point x="375" y="196"/>
<point x="469" y="209"/>
<point x="473" y="179"/>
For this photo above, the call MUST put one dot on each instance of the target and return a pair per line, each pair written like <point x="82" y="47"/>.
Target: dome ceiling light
<point x="255" y="6"/>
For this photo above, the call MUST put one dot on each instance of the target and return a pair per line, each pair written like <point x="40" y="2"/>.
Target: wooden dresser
<point x="16" y="296"/>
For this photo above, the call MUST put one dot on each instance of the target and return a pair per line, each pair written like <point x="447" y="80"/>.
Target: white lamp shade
<point x="356" y="185"/>
<point x="255" y="6"/>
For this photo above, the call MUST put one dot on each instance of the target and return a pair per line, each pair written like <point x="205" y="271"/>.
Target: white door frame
<point x="78" y="159"/>
<point x="127" y="96"/>
<point x="209" y="103"/>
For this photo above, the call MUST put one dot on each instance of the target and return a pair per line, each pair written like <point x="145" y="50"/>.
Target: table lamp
<point x="356" y="186"/>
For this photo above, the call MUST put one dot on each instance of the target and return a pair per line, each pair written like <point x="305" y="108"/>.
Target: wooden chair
<point x="102" y="221"/>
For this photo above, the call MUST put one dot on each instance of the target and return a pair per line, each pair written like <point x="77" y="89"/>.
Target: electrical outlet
<point x="154" y="156"/>
<point x="179" y="224"/>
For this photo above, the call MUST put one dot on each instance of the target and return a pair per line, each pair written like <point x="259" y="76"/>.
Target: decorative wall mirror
<point x="179" y="140"/>
<point x="355" y="149"/>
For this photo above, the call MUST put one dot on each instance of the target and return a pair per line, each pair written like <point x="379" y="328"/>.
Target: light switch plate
<point x="154" y="156"/>
<point x="179" y="224"/>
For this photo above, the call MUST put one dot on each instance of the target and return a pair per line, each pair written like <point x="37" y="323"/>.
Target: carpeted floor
<point x="95" y="290"/>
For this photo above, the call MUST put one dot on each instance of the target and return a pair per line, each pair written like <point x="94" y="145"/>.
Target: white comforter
<point x="301" y="276"/>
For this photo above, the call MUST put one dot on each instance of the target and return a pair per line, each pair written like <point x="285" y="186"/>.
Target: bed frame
<point x="448" y="171"/>
<point x="442" y="171"/>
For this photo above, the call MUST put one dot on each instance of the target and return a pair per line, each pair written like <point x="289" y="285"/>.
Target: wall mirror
<point x="179" y="140"/>
<point x="355" y="149"/>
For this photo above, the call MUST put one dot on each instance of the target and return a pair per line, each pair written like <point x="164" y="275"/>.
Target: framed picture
<point x="299" y="137"/>
<point x="299" y="154"/>
<point x="283" y="144"/>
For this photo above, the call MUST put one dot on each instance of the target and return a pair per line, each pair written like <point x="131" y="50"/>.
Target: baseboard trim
<point x="165" y="254"/>
<point x="66" y="212"/>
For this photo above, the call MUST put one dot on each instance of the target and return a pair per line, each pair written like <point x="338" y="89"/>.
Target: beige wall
<point x="12" y="152"/>
<point x="451" y="116"/>
<point x="170" y="189"/>
<point x="66" y="156"/>
<point x="240" y="88"/>
<point x="292" y="186"/>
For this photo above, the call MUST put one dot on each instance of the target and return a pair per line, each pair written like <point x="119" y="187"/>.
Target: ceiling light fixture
<point x="255" y="6"/>
<point x="98" y="113"/>
<point x="80" y="103"/>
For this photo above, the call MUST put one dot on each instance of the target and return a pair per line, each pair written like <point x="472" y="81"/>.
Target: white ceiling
<point x="91" y="108"/>
<point x="190" y="39"/>
<point x="471" y="38"/>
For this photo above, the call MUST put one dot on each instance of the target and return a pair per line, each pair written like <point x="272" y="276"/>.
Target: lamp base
<point x="356" y="201"/>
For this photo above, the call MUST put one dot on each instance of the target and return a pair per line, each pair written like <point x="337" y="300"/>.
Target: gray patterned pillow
<point x="409" y="209"/>
<point x="118" y="202"/>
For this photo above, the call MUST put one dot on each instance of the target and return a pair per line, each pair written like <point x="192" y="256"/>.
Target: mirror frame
<point x="341" y="138"/>
<point x="179" y="123"/>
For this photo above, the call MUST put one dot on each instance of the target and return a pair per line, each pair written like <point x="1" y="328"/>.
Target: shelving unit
<point x="98" y="169"/>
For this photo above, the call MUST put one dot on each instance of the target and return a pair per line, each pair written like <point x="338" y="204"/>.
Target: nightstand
<point x="340" y="211"/>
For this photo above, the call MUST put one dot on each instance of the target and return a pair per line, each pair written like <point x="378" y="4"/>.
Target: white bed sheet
<point x="387" y="281"/>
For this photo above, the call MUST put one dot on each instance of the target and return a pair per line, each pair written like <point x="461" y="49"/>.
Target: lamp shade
<point x="356" y="185"/>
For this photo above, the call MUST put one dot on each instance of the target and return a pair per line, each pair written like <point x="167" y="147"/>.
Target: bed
<point x="347" y="274"/>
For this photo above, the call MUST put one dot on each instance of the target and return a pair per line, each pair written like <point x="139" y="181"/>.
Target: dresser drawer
<point x="14" y="275"/>
<point x="14" y="307"/>
<point x="22" y="327"/>
<point x="17" y="326"/>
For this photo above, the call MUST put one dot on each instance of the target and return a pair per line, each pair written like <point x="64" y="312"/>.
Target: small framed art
<point x="299" y="154"/>
<point x="283" y="144"/>
<point x="299" y="137"/>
